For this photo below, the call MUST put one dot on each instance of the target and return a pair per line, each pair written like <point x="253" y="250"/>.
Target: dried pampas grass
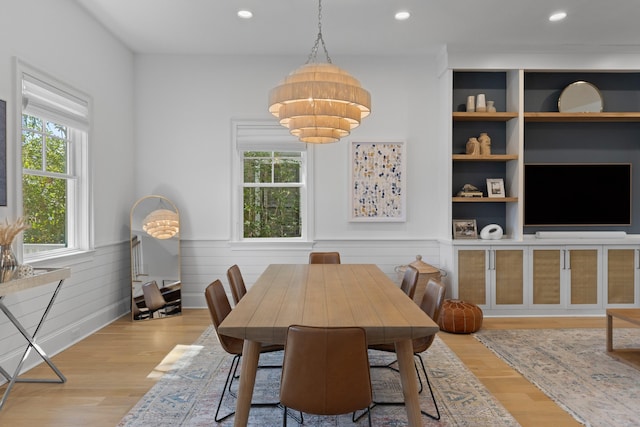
<point x="8" y="231"/>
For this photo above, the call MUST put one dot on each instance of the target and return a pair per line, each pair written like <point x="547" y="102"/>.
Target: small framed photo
<point x="495" y="187"/>
<point x="465" y="229"/>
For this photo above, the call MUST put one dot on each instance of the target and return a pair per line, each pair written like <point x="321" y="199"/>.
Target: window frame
<point x="269" y="136"/>
<point x="79" y="220"/>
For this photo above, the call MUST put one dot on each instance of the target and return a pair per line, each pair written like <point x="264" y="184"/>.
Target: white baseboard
<point x="581" y="235"/>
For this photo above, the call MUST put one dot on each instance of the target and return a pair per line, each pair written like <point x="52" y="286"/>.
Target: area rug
<point x="572" y="367"/>
<point x="188" y="394"/>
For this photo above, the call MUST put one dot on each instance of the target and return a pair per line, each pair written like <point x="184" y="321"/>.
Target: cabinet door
<point x="546" y="276"/>
<point x="584" y="276"/>
<point x="621" y="276"/>
<point x="472" y="275"/>
<point x="508" y="276"/>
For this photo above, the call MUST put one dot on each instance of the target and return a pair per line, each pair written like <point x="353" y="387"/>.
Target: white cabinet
<point x="491" y="277"/>
<point x="621" y="264"/>
<point x="565" y="277"/>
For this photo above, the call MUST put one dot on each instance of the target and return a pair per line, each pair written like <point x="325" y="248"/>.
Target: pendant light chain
<point x="319" y="39"/>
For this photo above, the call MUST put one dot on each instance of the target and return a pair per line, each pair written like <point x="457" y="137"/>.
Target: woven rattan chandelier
<point x="161" y="224"/>
<point x="319" y="102"/>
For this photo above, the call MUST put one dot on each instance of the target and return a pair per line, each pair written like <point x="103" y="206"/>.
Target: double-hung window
<point x="54" y="162"/>
<point x="272" y="185"/>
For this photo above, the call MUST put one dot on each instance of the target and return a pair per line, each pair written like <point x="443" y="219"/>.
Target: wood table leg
<point x="609" y="332"/>
<point x="250" y="356"/>
<point x="404" y="351"/>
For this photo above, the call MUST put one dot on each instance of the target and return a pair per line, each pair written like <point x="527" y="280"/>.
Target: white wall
<point x="59" y="38"/>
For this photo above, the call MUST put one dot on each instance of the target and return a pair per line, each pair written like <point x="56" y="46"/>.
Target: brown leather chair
<point x="156" y="303"/>
<point x="325" y="371"/>
<point x="236" y="282"/>
<point x="219" y="309"/>
<point x="410" y="281"/>
<point x="431" y="303"/>
<point x="324" y="258"/>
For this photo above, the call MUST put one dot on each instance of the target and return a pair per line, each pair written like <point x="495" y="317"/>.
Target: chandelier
<point x="319" y="102"/>
<point x="161" y="224"/>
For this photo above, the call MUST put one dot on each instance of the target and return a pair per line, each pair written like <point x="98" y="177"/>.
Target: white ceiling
<point x="366" y="26"/>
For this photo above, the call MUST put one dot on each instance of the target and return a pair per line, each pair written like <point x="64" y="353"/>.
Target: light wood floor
<point x="107" y="373"/>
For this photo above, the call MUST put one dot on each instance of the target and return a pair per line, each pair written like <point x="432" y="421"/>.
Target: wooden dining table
<point x="327" y="295"/>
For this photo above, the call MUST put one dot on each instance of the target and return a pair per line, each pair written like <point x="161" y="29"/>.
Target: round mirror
<point x="155" y="259"/>
<point x="580" y="97"/>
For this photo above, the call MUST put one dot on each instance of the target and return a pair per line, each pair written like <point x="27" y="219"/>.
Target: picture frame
<point x="495" y="187"/>
<point x="465" y="229"/>
<point x="378" y="184"/>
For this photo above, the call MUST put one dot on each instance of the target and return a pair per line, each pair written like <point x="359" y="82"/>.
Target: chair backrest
<point x="431" y="304"/>
<point x="236" y="282"/>
<point x="410" y="281"/>
<point x="325" y="370"/>
<point x="153" y="298"/>
<point x="219" y="309"/>
<point x="324" y="258"/>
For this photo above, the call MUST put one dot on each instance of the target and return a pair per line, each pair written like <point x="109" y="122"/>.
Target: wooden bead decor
<point x="460" y="317"/>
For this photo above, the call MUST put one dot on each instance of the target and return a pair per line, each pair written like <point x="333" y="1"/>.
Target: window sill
<point x="250" y="245"/>
<point x="63" y="258"/>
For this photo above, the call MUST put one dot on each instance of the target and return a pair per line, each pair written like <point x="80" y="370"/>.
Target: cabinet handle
<point x="567" y="262"/>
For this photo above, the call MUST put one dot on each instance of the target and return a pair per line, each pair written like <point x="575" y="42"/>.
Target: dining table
<point x="327" y="295"/>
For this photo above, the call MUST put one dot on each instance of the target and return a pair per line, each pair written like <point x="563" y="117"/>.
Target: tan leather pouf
<point x="460" y="317"/>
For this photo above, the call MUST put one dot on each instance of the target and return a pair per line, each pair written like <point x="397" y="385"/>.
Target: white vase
<point x="491" y="107"/>
<point x="471" y="104"/>
<point x="481" y="105"/>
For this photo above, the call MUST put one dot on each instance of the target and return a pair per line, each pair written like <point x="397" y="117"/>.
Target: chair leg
<point x="234" y="365"/>
<point x="284" y="416"/>
<point x="433" y="397"/>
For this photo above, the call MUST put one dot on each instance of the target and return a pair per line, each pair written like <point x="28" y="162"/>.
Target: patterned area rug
<point x="188" y="394"/>
<point x="572" y="367"/>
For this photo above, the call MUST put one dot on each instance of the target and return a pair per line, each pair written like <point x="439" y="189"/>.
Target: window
<point x="272" y="170"/>
<point x="54" y="163"/>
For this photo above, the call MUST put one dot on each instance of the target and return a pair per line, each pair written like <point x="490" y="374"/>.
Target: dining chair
<point x="410" y="281"/>
<point x="325" y="371"/>
<point x="324" y="258"/>
<point x="219" y="309"/>
<point x="236" y="282"/>
<point x="431" y="304"/>
<point x="156" y="303"/>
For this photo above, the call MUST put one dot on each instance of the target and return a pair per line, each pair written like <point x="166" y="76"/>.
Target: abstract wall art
<point x="377" y="181"/>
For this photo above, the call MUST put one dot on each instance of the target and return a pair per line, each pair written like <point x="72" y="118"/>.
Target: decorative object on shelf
<point x="377" y="182"/>
<point x="495" y="187"/>
<point x="460" y="317"/>
<point x="465" y="229"/>
<point x="319" y="102"/>
<point x="481" y="105"/>
<point x="491" y="108"/>
<point x="473" y="147"/>
<point x="580" y="97"/>
<point x="485" y="144"/>
<point x="8" y="261"/>
<point x="161" y="224"/>
<point x="469" y="190"/>
<point x="491" y="232"/>
<point x="471" y="104"/>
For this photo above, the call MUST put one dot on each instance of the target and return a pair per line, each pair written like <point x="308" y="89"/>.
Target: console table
<point x="39" y="278"/>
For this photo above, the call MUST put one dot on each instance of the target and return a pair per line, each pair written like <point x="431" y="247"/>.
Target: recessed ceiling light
<point x="245" y="14"/>
<point x="557" y="16"/>
<point x="402" y="15"/>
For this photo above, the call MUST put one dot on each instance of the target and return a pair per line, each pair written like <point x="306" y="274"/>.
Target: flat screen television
<point x="561" y="194"/>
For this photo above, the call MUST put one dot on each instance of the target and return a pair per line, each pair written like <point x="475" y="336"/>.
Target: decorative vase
<point x="485" y="144"/>
<point x="8" y="263"/>
<point x="481" y="105"/>
<point x="471" y="104"/>
<point x="491" y="108"/>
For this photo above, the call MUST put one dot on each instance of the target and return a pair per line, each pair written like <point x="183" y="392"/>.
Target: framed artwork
<point x="495" y="187"/>
<point x="465" y="229"/>
<point x="3" y="153"/>
<point x="378" y="192"/>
